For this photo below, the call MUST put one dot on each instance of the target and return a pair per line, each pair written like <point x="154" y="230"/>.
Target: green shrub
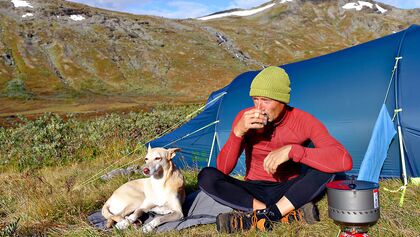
<point x="10" y="229"/>
<point x="52" y="140"/>
<point x="15" y="88"/>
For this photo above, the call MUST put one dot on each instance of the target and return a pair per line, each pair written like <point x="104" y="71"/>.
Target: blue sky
<point x="196" y="8"/>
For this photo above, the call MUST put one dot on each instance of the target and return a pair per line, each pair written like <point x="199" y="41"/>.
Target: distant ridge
<point x="62" y="56"/>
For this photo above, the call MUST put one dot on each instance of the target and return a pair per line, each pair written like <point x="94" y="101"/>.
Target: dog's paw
<point x="124" y="224"/>
<point x="147" y="228"/>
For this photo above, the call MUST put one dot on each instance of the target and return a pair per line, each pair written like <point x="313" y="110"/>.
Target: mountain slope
<point x="71" y="57"/>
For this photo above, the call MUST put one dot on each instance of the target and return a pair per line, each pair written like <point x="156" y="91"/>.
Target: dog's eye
<point x="158" y="158"/>
<point x="146" y="159"/>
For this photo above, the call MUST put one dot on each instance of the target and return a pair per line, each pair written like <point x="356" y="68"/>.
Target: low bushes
<point x="53" y="140"/>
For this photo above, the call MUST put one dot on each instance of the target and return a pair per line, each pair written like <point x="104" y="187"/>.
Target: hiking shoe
<point x="308" y="213"/>
<point x="242" y="221"/>
<point x="295" y="215"/>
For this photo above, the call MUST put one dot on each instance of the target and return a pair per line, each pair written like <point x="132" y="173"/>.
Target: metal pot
<point x="353" y="201"/>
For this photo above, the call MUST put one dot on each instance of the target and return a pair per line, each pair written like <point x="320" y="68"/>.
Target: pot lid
<point x="352" y="184"/>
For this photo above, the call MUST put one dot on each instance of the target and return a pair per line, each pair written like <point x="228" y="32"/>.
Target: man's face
<point x="272" y="108"/>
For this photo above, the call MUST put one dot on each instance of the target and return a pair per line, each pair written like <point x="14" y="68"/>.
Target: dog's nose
<point x="146" y="171"/>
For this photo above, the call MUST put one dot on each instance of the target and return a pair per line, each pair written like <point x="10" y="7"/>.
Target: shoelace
<point x="254" y="219"/>
<point x="237" y="221"/>
<point x="241" y="223"/>
<point x="234" y="221"/>
<point x="295" y="215"/>
<point x="299" y="215"/>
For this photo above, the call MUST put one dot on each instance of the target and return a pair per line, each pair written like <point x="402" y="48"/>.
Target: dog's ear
<point x="149" y="148"/>
<point x="172" y="152"/>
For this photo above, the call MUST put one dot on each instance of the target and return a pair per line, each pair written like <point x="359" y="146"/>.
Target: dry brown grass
<point x="48" y="202"/>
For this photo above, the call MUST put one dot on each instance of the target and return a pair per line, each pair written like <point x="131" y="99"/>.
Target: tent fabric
<point x="409" y="98"/>
<point x="344" y="90"/>
<point x="382" y="135"/>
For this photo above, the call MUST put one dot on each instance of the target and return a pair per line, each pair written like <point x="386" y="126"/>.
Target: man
<point x="282" y="174"/>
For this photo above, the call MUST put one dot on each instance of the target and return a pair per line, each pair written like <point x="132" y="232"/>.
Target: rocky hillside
<point x="66" y="57"/>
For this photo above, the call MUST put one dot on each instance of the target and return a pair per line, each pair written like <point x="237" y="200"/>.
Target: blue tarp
<point x="345" y="90"/>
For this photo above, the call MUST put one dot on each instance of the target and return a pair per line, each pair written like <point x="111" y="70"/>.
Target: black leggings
<point x="239" y="194"/>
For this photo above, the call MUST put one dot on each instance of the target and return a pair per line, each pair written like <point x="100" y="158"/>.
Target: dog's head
<point x="158" y="159"/>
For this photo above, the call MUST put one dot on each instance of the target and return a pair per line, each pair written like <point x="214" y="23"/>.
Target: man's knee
<point x="321" y="176"/>
<point x="208" y="176"/>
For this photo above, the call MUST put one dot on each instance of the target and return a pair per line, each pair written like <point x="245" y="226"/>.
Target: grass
<point x="15" y="88"/>
<point x="53" y="197"/>
<point x="46" y="203"/>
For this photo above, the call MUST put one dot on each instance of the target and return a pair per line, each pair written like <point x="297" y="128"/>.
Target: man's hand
<point x="251" y="119"/>
<point x="276" y="158"/>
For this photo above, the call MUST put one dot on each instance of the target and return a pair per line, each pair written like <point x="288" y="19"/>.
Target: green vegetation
<point x="51" y="140"/>
<point x="95" y="85"/>
<point x="51" y="168"/>
<point x="15" y="88"/>
<point x="10" y="229"/>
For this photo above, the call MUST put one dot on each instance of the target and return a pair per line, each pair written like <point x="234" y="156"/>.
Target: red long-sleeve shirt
<point x="295" y="128"/>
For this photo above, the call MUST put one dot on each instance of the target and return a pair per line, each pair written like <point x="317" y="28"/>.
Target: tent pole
<point x="191" y="133"/>
<point x="404" y="170"/>
<point x="212" y="147"/>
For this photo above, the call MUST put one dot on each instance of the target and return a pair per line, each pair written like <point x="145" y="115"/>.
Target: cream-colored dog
<point x="162" y="192"/>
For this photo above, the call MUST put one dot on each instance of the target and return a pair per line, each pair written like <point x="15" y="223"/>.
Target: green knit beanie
<point x="272" y="82"/>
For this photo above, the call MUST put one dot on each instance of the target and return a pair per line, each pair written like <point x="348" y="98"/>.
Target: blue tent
<point x="345" y="90"/>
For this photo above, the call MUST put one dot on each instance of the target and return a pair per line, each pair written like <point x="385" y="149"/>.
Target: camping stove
<point x="353" y="205"/>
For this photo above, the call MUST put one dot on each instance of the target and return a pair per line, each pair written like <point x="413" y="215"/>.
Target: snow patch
<point x="77" y="17"/>
<point x="352" y="5"/>
<point x="380" y="9"/>
<point x="239" y="13"/>
<point x="21" y="3"/>
<point x="284" y="1"/>
<point x="367" y="4"/>
<point x="357" y="5"/>
<point x="27" y="15"/>
<point x="360" y="4"/>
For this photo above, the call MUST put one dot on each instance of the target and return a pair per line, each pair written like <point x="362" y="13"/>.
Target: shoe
<point x="308" y="213"/>
<point x="242" y="221"/>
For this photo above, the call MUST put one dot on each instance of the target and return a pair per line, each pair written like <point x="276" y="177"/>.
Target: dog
<point x="163" y="193"/>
